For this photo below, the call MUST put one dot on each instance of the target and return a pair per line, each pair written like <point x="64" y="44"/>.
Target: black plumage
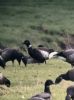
<point x="69" y="75"/>
<point x="70" y="93"/>
<point x="10" y="54"/>
<point x="46" y="95"/>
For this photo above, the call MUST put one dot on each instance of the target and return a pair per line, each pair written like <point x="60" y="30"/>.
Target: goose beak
<point x="58" y="80"/>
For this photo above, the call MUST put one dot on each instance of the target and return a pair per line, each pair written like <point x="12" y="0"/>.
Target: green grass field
<point x="27" y="81"/>
<point x="28" y="19"/>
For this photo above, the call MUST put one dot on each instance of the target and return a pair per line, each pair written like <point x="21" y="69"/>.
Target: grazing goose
<point x="68" y="56"/>
<point x="70" y="93"/>
<point x="10" y="54"/>
<point x="69" y="75"/>
<point x="46" y="95"/>
<point x="4" y="80"/>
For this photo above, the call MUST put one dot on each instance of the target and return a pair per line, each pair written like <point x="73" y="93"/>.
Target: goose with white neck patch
<point x="39" y="54"/>
<point x="35" y="53"/>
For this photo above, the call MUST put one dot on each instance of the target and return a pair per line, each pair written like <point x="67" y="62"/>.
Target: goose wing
<point x="46" y="49"/>
<point x="43" y="95"/>
<point x="36" y="98"/>
<point x="36" y="54"/>
<point x="71" y="57"/>
<point x="69" y="52"/>
<point x="45" y="54"/>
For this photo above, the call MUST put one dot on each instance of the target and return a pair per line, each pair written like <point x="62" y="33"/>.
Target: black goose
<point x="11" y="54"/>
<point x="4" y="80"/>
<point x="68" y="56"/>
<point x="36" y="54"/>
<point x="46" y="95"/>
<point x="39" y="54"/>
<point x="69" y="75"/>
<point x="70" y="93"/>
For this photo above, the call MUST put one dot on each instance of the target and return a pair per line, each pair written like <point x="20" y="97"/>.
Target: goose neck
<point x="47" y="89"/>
<point x="30" y="46"/>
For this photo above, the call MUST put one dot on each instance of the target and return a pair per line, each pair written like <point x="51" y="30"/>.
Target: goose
<point x="11" y="54"/>
<point x="67" y="55"/>
<point x="70" y="93"/>
<point x="4" y="80"/>
<point x="69" y="75"/>
<point x="46" y="95"/>
<point x="37" y="54"/>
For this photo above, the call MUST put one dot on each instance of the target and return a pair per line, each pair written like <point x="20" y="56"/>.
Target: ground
<point x="27" y="81"/>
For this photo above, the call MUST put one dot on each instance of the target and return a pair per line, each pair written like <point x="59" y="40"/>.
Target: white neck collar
<point x="30" y="46"/>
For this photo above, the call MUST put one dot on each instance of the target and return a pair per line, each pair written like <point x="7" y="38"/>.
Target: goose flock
<point x="40" y="55"/>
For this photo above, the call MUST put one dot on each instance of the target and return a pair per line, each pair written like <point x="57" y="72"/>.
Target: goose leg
<point x="45" y="61"/>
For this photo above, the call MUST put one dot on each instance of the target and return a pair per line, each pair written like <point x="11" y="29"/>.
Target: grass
<point x="17" y="17"/>
<point x="27" y="81"/>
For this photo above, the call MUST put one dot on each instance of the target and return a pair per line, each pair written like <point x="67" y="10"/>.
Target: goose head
<point x="27" y="43"/>
<point x="7" y="82"/>
<point x="47" y="84"/>
<point x="58" y="80"/>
